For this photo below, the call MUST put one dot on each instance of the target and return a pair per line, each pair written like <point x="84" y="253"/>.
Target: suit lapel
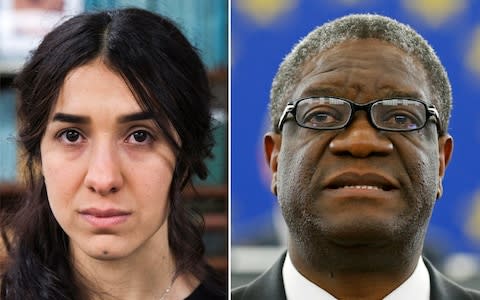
<point x="269" y="285"/>
<point x="442" y="288"/>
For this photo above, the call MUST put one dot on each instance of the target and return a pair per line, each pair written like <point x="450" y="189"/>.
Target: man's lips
<point x="361" y="181"/>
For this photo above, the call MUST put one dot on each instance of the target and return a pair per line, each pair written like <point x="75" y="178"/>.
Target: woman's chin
<point x="106" y="249"/>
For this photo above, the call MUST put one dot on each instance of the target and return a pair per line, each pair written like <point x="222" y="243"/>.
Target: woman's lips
<point x="104" y="218"/>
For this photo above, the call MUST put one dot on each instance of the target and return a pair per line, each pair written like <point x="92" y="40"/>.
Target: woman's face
<point x="107" y="167"/>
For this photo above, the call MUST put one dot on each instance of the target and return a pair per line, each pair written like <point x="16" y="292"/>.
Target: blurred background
<point x="23" y="23"/>
<point x="263" y="32"/>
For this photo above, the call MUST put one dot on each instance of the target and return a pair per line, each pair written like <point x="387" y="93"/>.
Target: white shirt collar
<point x="297" y="287"/>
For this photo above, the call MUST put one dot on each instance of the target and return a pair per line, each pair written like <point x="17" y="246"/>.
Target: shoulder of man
<point x="269" y="285"/>
<point x="443" y="288"/>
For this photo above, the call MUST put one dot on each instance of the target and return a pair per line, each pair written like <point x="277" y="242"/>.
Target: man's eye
<point x="139" y="137"/>
<point x="320" y="118"/>
<point x="402" y="120"/>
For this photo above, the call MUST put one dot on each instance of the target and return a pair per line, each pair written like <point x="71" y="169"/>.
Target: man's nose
<point x="361" y="139"/>
<point x="104" y="174"/>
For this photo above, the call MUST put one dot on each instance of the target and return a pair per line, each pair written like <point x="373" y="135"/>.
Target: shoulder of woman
<point x="204" y="292"/>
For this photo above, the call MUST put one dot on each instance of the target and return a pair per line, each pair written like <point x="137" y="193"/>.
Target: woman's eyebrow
<point x="143" y="115"/>
<point x="79" y="119"/>
<point x="69" y="118"/>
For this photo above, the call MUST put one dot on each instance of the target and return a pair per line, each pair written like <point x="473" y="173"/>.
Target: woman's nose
<point x="104" y="174"/>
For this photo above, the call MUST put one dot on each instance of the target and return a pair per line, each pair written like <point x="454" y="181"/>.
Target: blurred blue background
<point x="264" y="31"/>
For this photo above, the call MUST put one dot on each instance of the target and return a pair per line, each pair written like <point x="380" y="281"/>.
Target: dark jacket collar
<point x="442" y="288"/>
<point x="269" y="285"/>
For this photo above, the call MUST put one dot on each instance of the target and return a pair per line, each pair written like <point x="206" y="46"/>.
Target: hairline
<point x="357" y="27"/>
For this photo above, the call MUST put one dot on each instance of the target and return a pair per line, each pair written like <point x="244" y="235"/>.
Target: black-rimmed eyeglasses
<point x="328" y="113"/>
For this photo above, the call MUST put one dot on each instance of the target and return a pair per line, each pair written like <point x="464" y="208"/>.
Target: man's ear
<point x="445" y="149"/>
<point x="272" y="142"/>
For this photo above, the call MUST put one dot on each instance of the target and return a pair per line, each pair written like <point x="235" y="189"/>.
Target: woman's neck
<point x="145" y="273"/>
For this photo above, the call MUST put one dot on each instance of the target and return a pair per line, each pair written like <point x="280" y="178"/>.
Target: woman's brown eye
<point x="140" y="136"/>
<point x="72" y="135"/>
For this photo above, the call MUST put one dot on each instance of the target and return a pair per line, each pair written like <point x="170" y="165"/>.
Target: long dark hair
<point x="168" y="79"/>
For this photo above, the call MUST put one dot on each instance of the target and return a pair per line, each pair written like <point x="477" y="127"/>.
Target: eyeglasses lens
<point x="332" y="113"/>
<point x="399" y="114"/>
<point x="323" y="113"/>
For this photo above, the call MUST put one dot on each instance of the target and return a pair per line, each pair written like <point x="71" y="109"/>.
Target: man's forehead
<point x="362" y="64"/>
<point x="366" y="49"/>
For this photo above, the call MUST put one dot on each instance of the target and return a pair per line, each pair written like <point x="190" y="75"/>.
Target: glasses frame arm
<point x="288" y="109"/>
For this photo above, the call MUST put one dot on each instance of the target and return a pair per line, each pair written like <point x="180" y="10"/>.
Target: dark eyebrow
<point x="386" y="92"/>
<point x="399" y="94"/>
<point x="320" y="91"/>
<point x="68" y="118"/>
<point x="143" y="115"/>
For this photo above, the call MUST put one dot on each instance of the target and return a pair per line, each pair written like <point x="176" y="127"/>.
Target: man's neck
<point x="354" y="283"/>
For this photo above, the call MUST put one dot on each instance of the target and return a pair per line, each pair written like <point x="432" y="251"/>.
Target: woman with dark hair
<point x="114" y="121"/>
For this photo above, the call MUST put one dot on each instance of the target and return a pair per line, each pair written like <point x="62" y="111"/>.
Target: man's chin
<point x="361" y="232"/>
<point x="361" y="248"/>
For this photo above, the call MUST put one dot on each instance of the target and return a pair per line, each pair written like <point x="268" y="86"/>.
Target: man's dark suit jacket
<point x="270" y="286"/>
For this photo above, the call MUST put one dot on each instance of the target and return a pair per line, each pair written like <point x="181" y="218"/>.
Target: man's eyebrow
<point x="402" y="94"/>
<point x="143" y="115"/>
<point x="386" y="92"/>
<point x="320" y="91"/>
<point x="69" y="118"/>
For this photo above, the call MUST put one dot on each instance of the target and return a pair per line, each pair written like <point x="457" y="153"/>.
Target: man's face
<point x="358" y="186"/>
